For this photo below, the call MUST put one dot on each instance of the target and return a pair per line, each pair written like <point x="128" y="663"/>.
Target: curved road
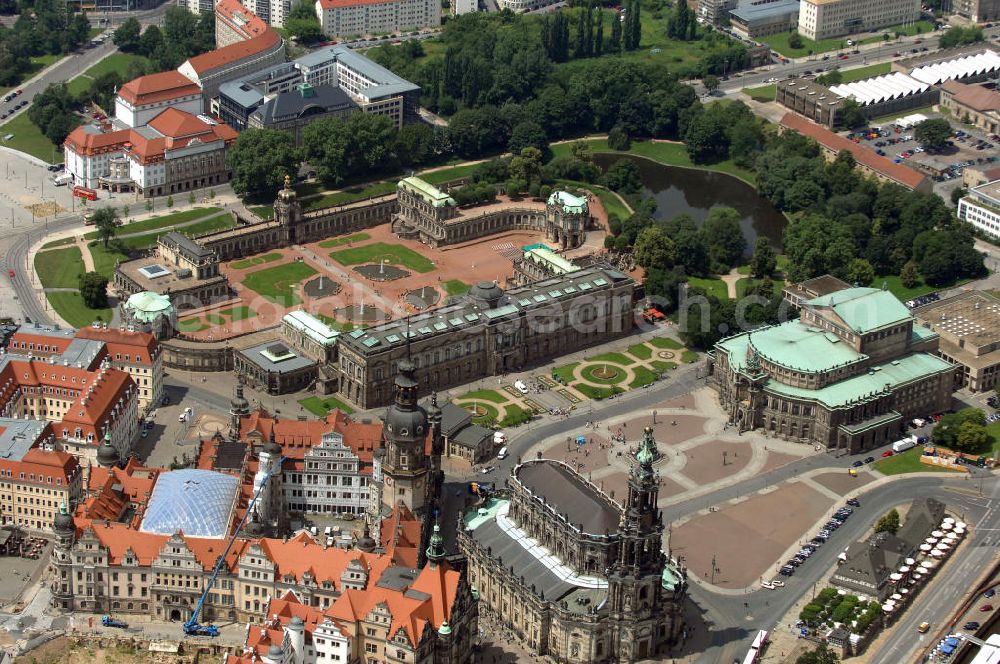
<point x="726" y="616"/>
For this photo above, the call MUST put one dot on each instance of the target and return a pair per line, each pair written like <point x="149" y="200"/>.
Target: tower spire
<point x="435" y="550"/>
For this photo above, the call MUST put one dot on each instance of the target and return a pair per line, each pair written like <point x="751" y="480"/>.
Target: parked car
<point x="870" y="459"/>
<point x="887" y="453"/>
<point x="990" y="593"/>
<point x="853" y="502"/>
<point x="923" y="627"/>
<point x="986" y="607"/>
<point x="777" y="583"/>
<point x="971" y="626"/>
<point x="787" y="570"/>
<point x="857" y="464"/>
<point x="767" y="584"/>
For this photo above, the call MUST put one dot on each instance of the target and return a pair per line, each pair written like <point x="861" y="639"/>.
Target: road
<point x="869" y="54"/>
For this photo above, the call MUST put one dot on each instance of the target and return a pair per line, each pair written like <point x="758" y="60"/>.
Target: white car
<point x="486" y="470"/>
<point x="520" y="386"/>
<point x="777" y="583"/>
<point x="767" y="584"/>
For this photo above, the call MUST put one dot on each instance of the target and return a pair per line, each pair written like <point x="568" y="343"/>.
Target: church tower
<point x="405" y="468"/>
<point x="635" y="583"/>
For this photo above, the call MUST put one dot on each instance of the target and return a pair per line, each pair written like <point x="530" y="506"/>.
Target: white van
<point x="328" y="531"/>
<point x="521" y="386"/>
<point x="502" y="454"/>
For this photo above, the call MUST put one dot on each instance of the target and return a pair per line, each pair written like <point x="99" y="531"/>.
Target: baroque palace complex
<point x="551" y="306"/>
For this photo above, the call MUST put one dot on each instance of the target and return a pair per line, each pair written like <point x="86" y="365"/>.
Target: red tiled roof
<point x="135" y="344"/>
<point x="298" y="437"/>
<point x="45" y="466"/>
<point x="239" y="18"/>
<point x="24" y="341"/>
<point x="975" y="97"/>
<point x="155" y="88"/>
<point x="206" y="62"/>
<point x="91" y="417"/>
<point x="301" y="554"/>
<point x="899" y="173"/>
<point x="88" y="143"/>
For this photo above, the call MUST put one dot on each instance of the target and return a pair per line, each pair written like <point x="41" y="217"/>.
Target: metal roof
<point x="864" y="309"/>
<point x="750" y="14"/>
<point x="312" y="327"/>
<point x="957" y="69"/>
<point x="881" y="88"/>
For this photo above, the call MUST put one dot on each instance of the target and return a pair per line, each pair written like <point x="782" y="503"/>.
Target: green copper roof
<point x="427" y="191"/>
<point x="897" y="372"/>
<point x="795" y="346"/>
<point x="864" y="309"/>
<point x="146" y="305"/>
<point x="647" y="453"/>
<point x="556" y="263"/>
<point x="570" y="204"/>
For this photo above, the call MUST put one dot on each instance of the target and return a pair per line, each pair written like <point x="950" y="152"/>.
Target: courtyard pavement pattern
<point x="700" y="455"/>
<point x="486" y="259"/>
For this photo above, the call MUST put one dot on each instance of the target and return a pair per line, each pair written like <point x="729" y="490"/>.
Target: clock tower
<point x="405" y="468"/>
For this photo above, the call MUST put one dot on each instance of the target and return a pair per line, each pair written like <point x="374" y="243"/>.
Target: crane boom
<point x="192" y="627"/>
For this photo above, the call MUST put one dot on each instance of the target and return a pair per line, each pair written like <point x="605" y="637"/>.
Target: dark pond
<point x="693" y="192"/>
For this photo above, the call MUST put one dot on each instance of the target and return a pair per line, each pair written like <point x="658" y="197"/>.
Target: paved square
<point x="842" y="482"/>
<point x="715" y="460"/>
<point x="769" y="523"/>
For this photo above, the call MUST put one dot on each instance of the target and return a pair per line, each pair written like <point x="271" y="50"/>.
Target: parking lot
<point x="970" y="146"/>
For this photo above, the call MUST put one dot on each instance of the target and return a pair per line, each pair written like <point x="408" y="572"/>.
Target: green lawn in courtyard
<point x="105" y="259"/>
<point x="455" y="287"/>
<point x="598" y="392"/>
<point x="158" y="222"/>
<point x="741" y="286"/>
<point x="994" y="430"/>
<point x="321" y="406"/>
<point x="615" y="358"/>
<point x="59" y="243"/>
<point x="29" y="138"/>
<point x="662" y="365"/>
<point x="643" y="377"/>
<point x="689" y="356"/>
<point x="347" y="239"/>
<point x="351" y="195"/>
<point x="192" y="325"/>
<point x="255" y="260"/>
<point x="334" y="323"/>
<point x="489" y="412"/>
<point x="238" y="313"/>
<point x="641" y="351"/>
<point x="265" y="212"/>
<point x="69" y="305"/>
<point x="715" y="287"/>
<point x="215" y="319"/>
<point x="593" y="373"/>
<point x="666" y="343"/>
<point x="484" y="395"/>
<point x="279" y="284"/>
<point x="908" y="29"/>
<point x="395" y="254"/>
<point x="59" y="268"/>
<point x="670" y="154"/>
<point x="895" y="286"/>
<point x="448" y="174"/>
<point x="762" y="93"/>
<point x="779" y="43"/>
<point x="566" y="371"/>
<point x="907" y="462"/>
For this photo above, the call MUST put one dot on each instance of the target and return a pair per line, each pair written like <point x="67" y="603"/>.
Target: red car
<point x="10" y="273"/>
<point x="843" y="56"/>
<point x="19" y="91"/>
<point x="887" y="453"/>
<point x="986" y="607"/>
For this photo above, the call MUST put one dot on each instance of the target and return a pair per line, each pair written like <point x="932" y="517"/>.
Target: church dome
<point x="405" y="422"/>
<point x="486" y="292"/>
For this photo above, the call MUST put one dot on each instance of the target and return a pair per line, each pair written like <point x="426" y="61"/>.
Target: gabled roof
<point x="863" y="309"/>
<point x="207" y="62"/>
<point x="899" y="173"/>
<point x="156" y="88"/>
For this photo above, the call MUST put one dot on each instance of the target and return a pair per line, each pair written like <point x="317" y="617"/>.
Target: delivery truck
<point x="905" y="444"/>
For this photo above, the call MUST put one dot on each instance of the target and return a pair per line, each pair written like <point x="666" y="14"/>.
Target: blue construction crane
<point x="192" y="627"/>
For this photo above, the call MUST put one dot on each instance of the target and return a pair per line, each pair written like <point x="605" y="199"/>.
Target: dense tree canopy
<point x="260" y="159"/>
<point x="345" y="148"/>
<point x="933" y="133"/>
<point x="43" y="27"/>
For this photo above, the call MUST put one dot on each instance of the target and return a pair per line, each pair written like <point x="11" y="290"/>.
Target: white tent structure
<point x="880" y="88"/>
<point x="958" y="68"/>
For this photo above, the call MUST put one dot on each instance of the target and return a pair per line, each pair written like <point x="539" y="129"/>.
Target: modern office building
<point x="847" y="374"/>
<point x="575" y="575"/>
<point x="969" y="326"/>
<point x="341" y="18"/>
<point x="755" y="20"/>
<point x="824" y="19"/>
<point x="981" y="208"/>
